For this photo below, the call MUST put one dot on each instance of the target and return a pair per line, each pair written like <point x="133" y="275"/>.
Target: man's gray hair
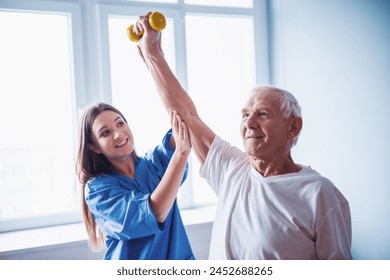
<point x="289" y="105"/>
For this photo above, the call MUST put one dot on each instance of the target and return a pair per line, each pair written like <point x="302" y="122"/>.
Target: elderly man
<point x="269" y="207"/>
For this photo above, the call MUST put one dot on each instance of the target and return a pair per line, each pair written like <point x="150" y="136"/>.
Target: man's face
<point x="264" y="130"/>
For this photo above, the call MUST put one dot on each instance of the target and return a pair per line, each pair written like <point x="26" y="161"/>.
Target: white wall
<point x="334" y="55"/>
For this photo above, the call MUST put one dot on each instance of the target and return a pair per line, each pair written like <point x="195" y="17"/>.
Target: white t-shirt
<point x="292" y="216"/>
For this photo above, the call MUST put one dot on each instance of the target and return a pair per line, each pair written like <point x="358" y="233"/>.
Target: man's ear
<point x="295" y="127"/>
<point x="94" y="149"/>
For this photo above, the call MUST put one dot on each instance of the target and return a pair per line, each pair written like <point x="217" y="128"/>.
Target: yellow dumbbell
<point x="156" y="20"/>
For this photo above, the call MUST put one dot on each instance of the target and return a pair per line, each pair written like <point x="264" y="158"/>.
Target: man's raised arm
<point x="172" y="94"/>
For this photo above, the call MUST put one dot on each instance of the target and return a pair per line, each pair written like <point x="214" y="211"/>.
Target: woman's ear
<point x="295" y="127"/>
<point x="94" y="149"/>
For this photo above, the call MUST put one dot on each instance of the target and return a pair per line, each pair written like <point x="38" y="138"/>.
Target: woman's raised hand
<point x="180" y="133"/>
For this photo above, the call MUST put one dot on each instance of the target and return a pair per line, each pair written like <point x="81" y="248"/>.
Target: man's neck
<point x="274" y="168"/>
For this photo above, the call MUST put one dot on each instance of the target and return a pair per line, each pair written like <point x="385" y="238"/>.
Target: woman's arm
<point x="164" y="195"/>
<point x="173" y="96"/>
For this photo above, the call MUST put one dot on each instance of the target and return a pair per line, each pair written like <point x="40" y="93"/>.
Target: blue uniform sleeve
<point x="120" y="211"/>
<point x="161" y="156"/>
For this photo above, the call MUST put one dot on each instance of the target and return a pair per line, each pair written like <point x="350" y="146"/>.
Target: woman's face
<point x="111" y="136"/>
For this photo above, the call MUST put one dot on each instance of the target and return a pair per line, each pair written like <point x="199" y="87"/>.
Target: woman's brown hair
<point x="89" y="165"/>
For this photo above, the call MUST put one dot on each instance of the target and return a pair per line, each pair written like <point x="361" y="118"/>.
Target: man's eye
<point x="263" y="114"/>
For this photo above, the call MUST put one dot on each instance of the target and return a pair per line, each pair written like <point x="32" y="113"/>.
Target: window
<point x="222" y="3"/>
<point x="133" y="90"/>
<point x="61" y="62"/>
<point x="220" y="75"/>
<point x="37" y="116"/>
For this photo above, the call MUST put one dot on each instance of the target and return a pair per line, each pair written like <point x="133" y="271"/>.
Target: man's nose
<point x="251" y="122"/>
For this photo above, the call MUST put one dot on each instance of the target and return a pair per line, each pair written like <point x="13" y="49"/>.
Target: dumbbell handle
<point x="156" y="20"/>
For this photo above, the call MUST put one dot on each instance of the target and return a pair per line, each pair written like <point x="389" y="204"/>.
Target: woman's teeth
<point x="122" y="143"/>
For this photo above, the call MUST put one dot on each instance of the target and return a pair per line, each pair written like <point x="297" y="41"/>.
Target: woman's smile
<point x="124" y="142"/>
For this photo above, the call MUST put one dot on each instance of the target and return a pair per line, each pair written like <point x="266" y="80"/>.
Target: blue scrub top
<point x="121" y="208"/>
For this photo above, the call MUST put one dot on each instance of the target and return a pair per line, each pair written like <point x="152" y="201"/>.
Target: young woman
<point x="129" y="201"/>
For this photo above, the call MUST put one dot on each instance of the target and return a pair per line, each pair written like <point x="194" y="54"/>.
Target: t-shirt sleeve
<point x="121" y="213"/>
<point x="222" y="159"/>
<point x="333" y="240"/>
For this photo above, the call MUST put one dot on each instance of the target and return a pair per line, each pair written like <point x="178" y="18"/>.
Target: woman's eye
<point x="105" y="133"/>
